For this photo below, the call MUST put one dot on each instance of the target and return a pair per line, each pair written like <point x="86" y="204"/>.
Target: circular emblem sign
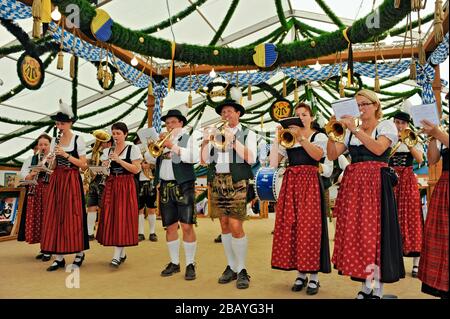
<point x="280" y="109"/>
<point x="31" y="71"/>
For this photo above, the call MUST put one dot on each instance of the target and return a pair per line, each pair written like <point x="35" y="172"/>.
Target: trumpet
<point x="336" y="130"/>
<point x="219" y="140"/>
<point x="286" y="138"/>
<point x="156" y="148"/>
<point x="407" y="137"/>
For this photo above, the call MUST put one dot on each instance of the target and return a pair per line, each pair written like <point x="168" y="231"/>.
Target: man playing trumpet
<point x="228" y="175"/>
<point x="175" y="178"/>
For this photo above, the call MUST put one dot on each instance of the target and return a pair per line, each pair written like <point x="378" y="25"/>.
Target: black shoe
<point x="170" y="270"/>
<point x="153" y="237"/>
<point x="227" y="276"/>
<point x="141" y="237"/>
<point x="218" y="239"/>
<point x="40" y="256"/>
<point x="122" y="259"/>
<point x="364" y="295"/>
<point x="415" y="271"/>
<point x="91" y="237"/>
<point x="190" y="272"/>
<point x="115" y="263"/>
<point x="79" y="260"/>
<point x="57" y="264"/>
<point x="243" y="280"/>
<point x="301" y="285"/>
<point x="312" y="291"/>
<point x="46" y="257"/>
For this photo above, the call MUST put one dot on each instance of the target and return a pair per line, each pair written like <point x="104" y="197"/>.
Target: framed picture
<point x="11" y="204"/>
<point x="10" y="179"/>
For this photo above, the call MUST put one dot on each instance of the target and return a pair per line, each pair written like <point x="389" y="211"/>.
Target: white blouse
<point x="320" y="140"/>
<point x="385" y="128"/>
<point x="135" y="153"/>
<point x="81" y="145"/>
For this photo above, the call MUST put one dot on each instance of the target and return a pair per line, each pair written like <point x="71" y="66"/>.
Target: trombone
<point x="156" y="148"/>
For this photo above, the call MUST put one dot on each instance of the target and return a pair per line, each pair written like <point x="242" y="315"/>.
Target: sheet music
<point x="424" y="112"/>
<point x="345" y="107"/>
<point x="148" y="134"/>
<point x="99" y="169"/>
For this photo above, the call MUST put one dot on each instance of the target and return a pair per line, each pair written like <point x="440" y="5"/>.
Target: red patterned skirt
<point x="409" y="210"/>
<point x="298" y="233"/>
<point x="118" y="223"/>
<point x="357" y="243"/>
<point x="35" y="212"/>
<point x="64" y="228"/>
<point x="433" y="265"/>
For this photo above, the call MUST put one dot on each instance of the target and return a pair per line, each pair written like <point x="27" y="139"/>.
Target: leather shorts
<point x="176" y="202"/>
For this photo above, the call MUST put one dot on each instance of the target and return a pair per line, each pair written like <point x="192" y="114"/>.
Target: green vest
<point x="184" y="172"/>
<point x="240" y="170"/>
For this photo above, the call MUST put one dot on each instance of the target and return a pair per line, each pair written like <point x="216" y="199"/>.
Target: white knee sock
<point x="366" y="288"/>
<point x="141" y="224"/>
<point x="231" y="259"/>
<point x="314" y="277"/>
<point x="152" y="222"/>
<point x="378" y="289"/>
<point x="240" y="251"/>
<point x="301" y="275"/>
<point x="59" y="257"/>
<point x="91" y="217"/>
<point x="189" y="251"/>
<point x="122" y="253"/>
<point x="117" y="252"/>
<point x="416" y="261"/>
<point x="174" y="251"/>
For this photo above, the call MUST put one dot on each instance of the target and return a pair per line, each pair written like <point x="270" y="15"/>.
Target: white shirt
<point x="223" y="158"/>
<point x="404" y="149"/>
<point x="385" y="128"/>
<point x="135" y="153"/>
<point x="189" y="154"/>
<point x="81" y="145"/>
<point x="327" y="167"/>
<point x="25" y="170"/>
<point x="320" y="140"/>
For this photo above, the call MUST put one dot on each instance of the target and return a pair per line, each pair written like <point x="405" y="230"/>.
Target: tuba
<point x="286" y="138"/>
<point x="100" y="137"/>
<point x="156" y="148"/>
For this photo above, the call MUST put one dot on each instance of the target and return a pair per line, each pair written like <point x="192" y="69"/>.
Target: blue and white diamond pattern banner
<point x="14" y="10"/>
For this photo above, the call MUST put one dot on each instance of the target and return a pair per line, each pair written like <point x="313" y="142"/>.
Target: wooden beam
<point x="430" y="44"/>
<point x="359" y="56"/>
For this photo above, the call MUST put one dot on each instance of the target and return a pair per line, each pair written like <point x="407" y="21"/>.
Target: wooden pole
<point x="150" y="108"/>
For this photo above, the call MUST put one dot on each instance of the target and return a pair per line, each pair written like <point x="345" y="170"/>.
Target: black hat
<point x="65" y="113"/>
<point x="175" y="113"/>
<point x="231" y="103"/>
<point x="288" y="121"/>
<point x="402" y="116"/>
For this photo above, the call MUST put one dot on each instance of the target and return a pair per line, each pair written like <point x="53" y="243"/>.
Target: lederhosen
<point x="30" y="227"/>
<point x="64" y="230"/>
<point x="177" y="197"/>
<point x="409" y="206"/>
<point x="300" y="240"/>
<point x="368" y="239"/>
<point x="433" y="265"/>
<point x="118" y="224"/>
<point x="147" y="192"/>
<point x="229" y="190"/>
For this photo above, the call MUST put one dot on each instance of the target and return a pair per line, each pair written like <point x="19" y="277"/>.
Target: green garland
<point x="280" y="14"/>
<point x="18" y="48"/>
<point x="121" y="116"/>
<point x="305" y="26"/>
<point x="298" y="50"/>
<point x="274" y="34"/>
<point x="330" y="14"/>
<point x="415" y="24"/>
<point x="178" y="17"/>
<point x="225" y="22"/>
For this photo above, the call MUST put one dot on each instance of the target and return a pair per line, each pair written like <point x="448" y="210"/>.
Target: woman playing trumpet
<point x="367" y="240"/>
<point x="118" y="225"/>
<point x="35" y="201"/>
<point x="64" y="227"/>
<point x="407" y="192"/>
<point x="300" y="240"/>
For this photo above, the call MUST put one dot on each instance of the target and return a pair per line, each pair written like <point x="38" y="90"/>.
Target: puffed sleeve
<point x="135" y="153"/>
<point x="282" y="151"/>
<point x="25" y="170"/>
<point x="388" y="129"/>
<point x="81" y="146"/>
<point x="327" y="167"/>
<point x="320" y="140"/>
<point x="149" y="159"/>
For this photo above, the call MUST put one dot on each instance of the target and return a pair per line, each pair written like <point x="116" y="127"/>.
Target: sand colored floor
<point x="24" y="277"/>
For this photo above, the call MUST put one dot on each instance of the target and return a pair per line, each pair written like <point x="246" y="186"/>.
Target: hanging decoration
<point x="36" y="12"/>
<point x="438" y="20"/>
<point x="350" y="57"/>
<point x="265" y="55"/>
<point x="31" y="71"/>
<point x="101" y="25"/>
<point x="280" y="109"/>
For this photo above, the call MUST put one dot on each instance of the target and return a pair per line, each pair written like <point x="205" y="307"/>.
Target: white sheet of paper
<point x="99" y="170"/>
<point x="424" y="112"/>
<point x="345" y="107"/>
<point x="147" y="134"/>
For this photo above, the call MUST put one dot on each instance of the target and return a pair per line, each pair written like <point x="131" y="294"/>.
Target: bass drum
<point x="268" y="182"/>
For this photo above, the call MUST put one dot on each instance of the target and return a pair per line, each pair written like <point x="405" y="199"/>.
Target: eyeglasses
<point x="365" y="104"/>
